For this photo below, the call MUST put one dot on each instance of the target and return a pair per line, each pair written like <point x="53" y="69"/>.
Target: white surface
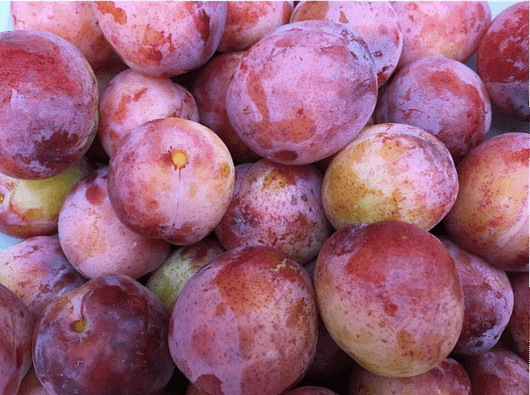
<point x="499" y="125"/>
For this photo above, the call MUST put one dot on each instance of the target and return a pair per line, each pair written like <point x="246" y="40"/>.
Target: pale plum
<point x="377" y="23"/>
<point x="16" y="329"/>
<point x="106" y="246"/>
<point x="72" y="20"/>
<point x="390" y="172"/>
<point x="249" y="21"/>
<point x="304" y="116"/>
<point x="488" y="301"/>
<point x="449" y="28"/>
<point x="209" y="90"/>
<point x="441" y="96"/>
<point x="132" y="98"/>
<point x="37" y="271"/>
<point x="49" y="104"/>
<point x="449" y="377"/>
<point x="108" y="336"/>
<point x="390" y="296"/>
<point x="162" y="38"/>
<point x="519" y="320"/>
<point x="503" y="60"/>
<point x="277" y="206"/>
<point x="171" y="179"/>
<point x="31" y="208"/>
<point x="169" y="279"/>
<point x="246" y="323"/>
<point x="490" y="215"/>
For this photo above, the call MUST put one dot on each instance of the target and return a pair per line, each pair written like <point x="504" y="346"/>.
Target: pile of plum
<point x="264" y="198"/>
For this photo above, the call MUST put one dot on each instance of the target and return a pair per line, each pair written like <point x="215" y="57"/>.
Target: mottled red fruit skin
<point x="304" y="116"/>
<point x="162" y="38"/>
<point x="441" y="96"/>
<point x="49" y="104"/>
<point x="490" y="215"/>
<point x="519" y="321"/>
<point x="108" y="336"/>
<point x="96" y="242"/>
<point x="246" y="323"/>
<point x="503" y="59"/>
<point x="277" y="206"/>
<point x="390" y="296"/>
<point x="37" y="271"/>
<point x="209" y="90"/>
<point x="449" y="377"/>
<point x="16" y="326"/>
<point x="310" y="390"/>
<point x="488" y="300"/>
<point x="448" y="28"/>
<point x="498" y="371"/>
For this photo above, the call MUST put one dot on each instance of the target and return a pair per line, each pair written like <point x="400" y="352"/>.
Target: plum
<point x="490" y="215"/>
<point x="497" y="371"/>
<point x="209" y="90"/>
<point x="16" y="329"/>
<point x="37" y="271"/>
<point x="108" y="336"/>
<point x="488" y="301"/>
<point x="285" y="108"/>
<point x="162" y="38"/>
<point x="30" y="208"/>
<point x="72" y="20"/>
<point x="377" y="22"/>
<point x="132" y="98"/>
<point x="390" y="171"/>
<point x="441" y="96"/>
<point x="249" y="21"/>
<point x="49" y="110"/>
<point x="503" y="58"/>
<point x="390" y="296"/>
<point x="278" y="206"/>
<point x="449" y="377"/>
<point x="96" y="242"/>
<point x="169" y="279"/>
<point x="171" y="179"/>
<point x="246" y="323"/>
<point x="449" y="28"/>
<point x="519" y="320"/>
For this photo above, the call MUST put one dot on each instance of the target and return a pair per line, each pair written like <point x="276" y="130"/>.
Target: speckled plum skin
<point x="249" y="21"/>
<point x="503" y="58"/>
<point x="106" y="246"/>
<point x="488" y="301"/>
<point x="108" y="336"/>
<point x="390" y="296"/>
<point x="16" y="328"/>
<point x="171" y="179"/>
<point x="209" y="90"/>
<point x="289" y="125"/>
<point x="390" y="171"/>
<point x="160" y="38"/>
<point x="72" y="20"/>
<point x="132" y="98"/>
<point x="497" y="372"/>
<point x="449" y="377"/>
<point x="277" y="206"/>
<point x="49" y="110"/>
<point x="37" y="271"/>
<point x="490" y="215"/>
<point x="377" y="22"/>
<point x="246" y="323"/>
<point x="30" y="208"/>
<point x="441" y="96"/>
<point x="449" y="28"/>
<point x="519" y="321"/>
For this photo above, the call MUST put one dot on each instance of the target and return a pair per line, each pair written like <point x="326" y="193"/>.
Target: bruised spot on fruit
<point x="390" y="308"/>
<point x="225" y="169"/>
<point x="285" y="155"/>
<point x="79" y="326"/>
<point x="155" y="38"/>
<point x="179" y="159"/>
<point x="210" y="384"/>
<point x="519" y="156"/>
<point x="95" y="195"/>
<point x="150" y="54"/>
<point x="202" y="23"/>
<point x="298" y="315"/>
<point x="2" y="197"/>
<point x="108" y="7"/>
<point x="279" y="179"/>
<point x="404" y="339"/>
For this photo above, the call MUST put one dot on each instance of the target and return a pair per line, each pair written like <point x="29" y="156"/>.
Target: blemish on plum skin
<point x="95" y="195"/>
<point x="108" y="7"/>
